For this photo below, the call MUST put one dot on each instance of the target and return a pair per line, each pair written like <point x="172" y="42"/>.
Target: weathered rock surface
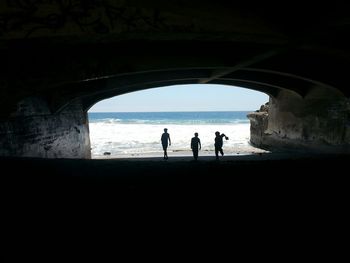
<point x="35" y="132"/>
<point x="318" y="122"/>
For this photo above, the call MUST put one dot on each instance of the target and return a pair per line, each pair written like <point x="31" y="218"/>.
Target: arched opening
<point x="131" y="125"/>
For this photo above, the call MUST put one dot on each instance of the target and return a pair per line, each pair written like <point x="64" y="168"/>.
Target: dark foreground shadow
<point x="233" y="176"/>
<point x="295" y="194"/>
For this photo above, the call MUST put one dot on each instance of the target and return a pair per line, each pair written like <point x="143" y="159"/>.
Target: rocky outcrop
<point x="318" y="122"/>
<point x="258" y="125"/>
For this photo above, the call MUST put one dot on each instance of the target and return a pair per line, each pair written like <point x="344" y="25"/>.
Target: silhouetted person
<point x="218" y="144"/>
<point x="195" y="145"/>
<point x="165" y="138"/>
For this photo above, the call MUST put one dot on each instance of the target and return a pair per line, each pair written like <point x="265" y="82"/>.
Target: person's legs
<point x="217" y="153"/>
<point x="195" y="154"/>
<point x="222" y="152"/>
<point x="165" y="152"/>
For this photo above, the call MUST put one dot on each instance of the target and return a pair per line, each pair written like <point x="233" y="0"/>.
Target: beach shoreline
<point x="247" y="150"/>
<point x="133" y="135"/>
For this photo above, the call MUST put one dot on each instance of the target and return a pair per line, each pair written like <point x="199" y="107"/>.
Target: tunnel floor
<point x="247" y="188"/>
<point x="271" y="171"/>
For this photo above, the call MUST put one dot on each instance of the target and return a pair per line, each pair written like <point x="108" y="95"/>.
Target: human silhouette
<point x="165" y="138"/>
<point x="219" y="143"/>
<point x="195" y="145"/>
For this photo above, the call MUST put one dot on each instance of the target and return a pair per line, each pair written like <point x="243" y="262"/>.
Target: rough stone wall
<point x="34" y="132"/>
<point x="318" y="122"/>
<point x="258" y="125"/>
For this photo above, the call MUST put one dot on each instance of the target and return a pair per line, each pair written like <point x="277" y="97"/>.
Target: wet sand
<point x="244" y="150"/>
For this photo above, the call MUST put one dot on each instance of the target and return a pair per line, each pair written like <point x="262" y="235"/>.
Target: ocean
<point x="137" y="134"/>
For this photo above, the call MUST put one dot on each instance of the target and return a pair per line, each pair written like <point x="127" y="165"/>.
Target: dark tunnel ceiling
<point x="51" y="48"/>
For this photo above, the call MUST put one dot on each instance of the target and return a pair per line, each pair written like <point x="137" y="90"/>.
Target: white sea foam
<point x="134" y="139"/>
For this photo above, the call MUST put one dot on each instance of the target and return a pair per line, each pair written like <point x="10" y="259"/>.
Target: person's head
<point x="217" y="133"/>
<point x="165" y="130"/>
<point x="196" y="134"/>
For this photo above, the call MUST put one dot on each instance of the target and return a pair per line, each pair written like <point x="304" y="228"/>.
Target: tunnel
<point x="60" y="58"/>
<point x="311" y="117"/>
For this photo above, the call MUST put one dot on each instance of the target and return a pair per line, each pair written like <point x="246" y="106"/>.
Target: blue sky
<point x="199" y="97"/>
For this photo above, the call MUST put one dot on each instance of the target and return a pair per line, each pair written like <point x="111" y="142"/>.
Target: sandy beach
<point x="244" y="150"/>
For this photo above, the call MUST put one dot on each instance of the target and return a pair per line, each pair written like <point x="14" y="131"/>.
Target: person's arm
<point x="223" y="135"/>
<point x="169" y="140"/>
<point x="200" y="146"/>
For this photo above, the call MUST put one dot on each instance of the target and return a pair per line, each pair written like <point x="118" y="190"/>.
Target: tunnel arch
<point x="294" y="121"/>
<point x="269" y="82"/>
<point x="53" y="71"/>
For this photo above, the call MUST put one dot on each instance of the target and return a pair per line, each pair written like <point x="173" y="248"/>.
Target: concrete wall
<point x="318" y="122"/>
<point x="33" y="131"/>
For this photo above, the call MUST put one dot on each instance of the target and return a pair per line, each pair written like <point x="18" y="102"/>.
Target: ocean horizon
<point x="130" y="134"/>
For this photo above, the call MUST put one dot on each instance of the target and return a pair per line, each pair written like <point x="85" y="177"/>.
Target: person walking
<point x="219" y="143"/>
<point x="195" y="145"/>
<point x="165" y="139"/>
